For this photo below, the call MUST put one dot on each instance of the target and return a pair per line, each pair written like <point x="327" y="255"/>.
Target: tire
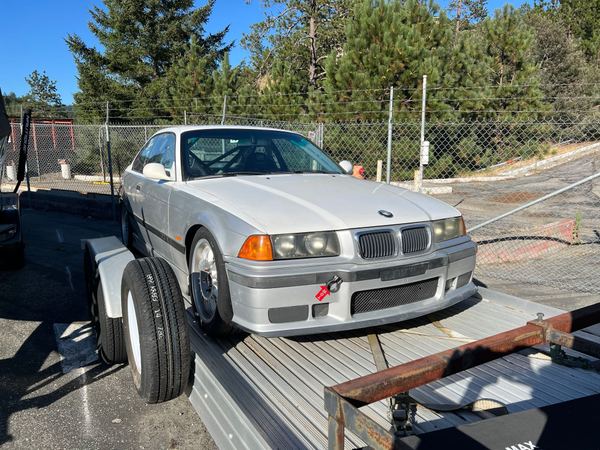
<point x="155" y="330"/>
<point x="125" y="222"/>
<point x="214" y="312"/>
<point x="109" y="331"/>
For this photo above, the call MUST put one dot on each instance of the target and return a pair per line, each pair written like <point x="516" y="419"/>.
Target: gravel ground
<point x="569" y="268"/>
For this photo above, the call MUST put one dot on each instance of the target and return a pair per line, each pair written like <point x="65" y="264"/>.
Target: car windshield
<point x="229" y="152"/>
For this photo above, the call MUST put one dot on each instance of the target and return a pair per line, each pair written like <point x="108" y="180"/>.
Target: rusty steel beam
<point x="387" y="383"/>
<point x="576" y="343"/>
<point x="342" y="414"/>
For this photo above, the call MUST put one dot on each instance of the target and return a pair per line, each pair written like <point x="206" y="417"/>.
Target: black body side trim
<point x="172" y="242"/>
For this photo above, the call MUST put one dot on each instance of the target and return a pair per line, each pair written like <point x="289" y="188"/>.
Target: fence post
<point x="321" y="134"/>
<point x="184" y="117"/>
<point x="388" y="168"/>
<point x="224" y="109"/>
<point x="110" y="167"/>
<point x="101" y="150"/>
<point x="423" y="105"/>
<point x="26" y="168"/>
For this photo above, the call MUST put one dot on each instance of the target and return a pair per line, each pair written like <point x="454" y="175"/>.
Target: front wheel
<point x="209" y="285"/>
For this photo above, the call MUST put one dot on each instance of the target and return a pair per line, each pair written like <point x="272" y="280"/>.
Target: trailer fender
<point x="111" y="256"/>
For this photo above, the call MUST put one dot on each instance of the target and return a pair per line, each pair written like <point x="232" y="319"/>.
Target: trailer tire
<point x="155" y="329"/>
<point x="109" y="331"/>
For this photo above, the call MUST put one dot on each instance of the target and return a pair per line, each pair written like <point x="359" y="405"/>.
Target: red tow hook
<point x="332" y="286"/>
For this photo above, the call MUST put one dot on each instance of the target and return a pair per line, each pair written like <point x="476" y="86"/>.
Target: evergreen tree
<point x="43" y="97"/>
<point x="188" y="85"/>
<point x="467" y="12"/>
<point x="395" y="43"/>
<point x="301" y="32"/>
<point x="514" y="73"/>
<point x="225" y="83"/>
<point x="141" y="40"/>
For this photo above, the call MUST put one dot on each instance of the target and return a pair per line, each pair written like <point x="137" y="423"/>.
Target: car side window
<point x="142" y="157"/>
<point x="168" y="153"/>
<point x="160" y="149"/>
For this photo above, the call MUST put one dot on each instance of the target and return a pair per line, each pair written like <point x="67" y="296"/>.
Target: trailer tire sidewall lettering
<point x="109" y="331"/>
<point x="150" y="287"/>
<point x="220" y="324"/>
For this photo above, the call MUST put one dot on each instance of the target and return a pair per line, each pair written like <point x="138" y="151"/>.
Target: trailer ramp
<point x="254" y="392"/>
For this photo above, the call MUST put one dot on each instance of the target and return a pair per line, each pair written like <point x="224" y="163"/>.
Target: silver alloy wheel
<point x="205" y="280"/>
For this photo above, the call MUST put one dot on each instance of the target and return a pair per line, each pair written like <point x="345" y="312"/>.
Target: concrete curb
<point x="98" y="206"/>
<point x="553" y="161"/>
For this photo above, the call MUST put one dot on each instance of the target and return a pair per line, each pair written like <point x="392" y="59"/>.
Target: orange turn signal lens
<point x="257" y="247"/>
<point x="462" y="229"/>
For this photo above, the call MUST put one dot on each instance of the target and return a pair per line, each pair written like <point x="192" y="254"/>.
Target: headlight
<point x="446" y="229"/>
<point x="305" y="245"/>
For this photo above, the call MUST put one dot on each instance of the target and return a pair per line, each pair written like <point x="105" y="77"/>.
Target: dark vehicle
<point x="12" y="248"/>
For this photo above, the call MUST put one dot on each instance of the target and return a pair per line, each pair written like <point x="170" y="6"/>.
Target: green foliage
<point x="43" y="97"/>
<point x="467" y="12"/>
<point x="141" y="41"/>
<point x="302" y="33"/>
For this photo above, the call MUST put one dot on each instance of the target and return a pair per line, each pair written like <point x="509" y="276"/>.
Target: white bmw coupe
<point x="266" y="233"/>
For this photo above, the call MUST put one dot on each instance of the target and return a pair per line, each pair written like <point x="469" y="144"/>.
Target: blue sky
<point x="35" y="32"/>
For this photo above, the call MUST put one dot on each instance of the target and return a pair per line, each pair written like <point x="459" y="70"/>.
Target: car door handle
<point x="138" y="187"/>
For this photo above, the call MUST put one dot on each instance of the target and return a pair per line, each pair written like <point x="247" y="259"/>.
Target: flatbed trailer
<point x="255" y="392"/>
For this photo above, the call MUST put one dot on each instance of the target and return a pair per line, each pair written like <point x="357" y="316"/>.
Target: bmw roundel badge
<point x="385" y="213"/>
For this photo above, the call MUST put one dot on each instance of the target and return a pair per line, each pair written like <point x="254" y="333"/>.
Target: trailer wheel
<point x="155" y="329"/>
<point x="109" y="331"/>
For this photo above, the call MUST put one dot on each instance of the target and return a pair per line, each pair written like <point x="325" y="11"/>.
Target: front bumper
<point x="274" y="303"/>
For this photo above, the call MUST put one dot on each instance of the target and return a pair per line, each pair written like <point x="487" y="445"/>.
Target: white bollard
<point x="65" y="169"/>
<point x="11" y="172"/>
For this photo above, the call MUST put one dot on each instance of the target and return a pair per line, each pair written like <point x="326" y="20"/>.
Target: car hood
<point x="278" y="204"/>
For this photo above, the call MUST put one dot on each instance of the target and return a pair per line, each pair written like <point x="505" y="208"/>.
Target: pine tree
<point x="514" y="73"/>
<point x="467" y="12"/>
<point x="43" y="97"/>
<point x="302" y="32"/>
<point x="188" y="86"/>
<point x="141" y="40"/>
<point x="395" y="43"/>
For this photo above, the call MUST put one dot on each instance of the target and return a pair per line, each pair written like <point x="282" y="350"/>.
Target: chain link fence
<point x="484" y="167"/>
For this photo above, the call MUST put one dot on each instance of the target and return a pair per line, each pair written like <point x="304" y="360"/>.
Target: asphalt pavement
<point x="92" y="407"/>
<point x="96" y="406"/>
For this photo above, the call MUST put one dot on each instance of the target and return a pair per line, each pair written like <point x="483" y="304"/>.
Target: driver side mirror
<point x="347" y="167"/>
<point x="155" y="171"/>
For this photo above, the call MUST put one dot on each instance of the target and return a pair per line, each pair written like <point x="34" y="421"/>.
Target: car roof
<point x="179" y="129"/>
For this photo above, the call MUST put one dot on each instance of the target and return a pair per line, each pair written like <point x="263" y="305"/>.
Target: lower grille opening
<point x="463" y="280"/>
<point x="288" y="314"/>
<point x="384" y="298"/>
<point x="320" y="310"/>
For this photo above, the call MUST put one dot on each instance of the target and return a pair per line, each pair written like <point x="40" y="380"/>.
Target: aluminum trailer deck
<point x="254" y="392"/>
